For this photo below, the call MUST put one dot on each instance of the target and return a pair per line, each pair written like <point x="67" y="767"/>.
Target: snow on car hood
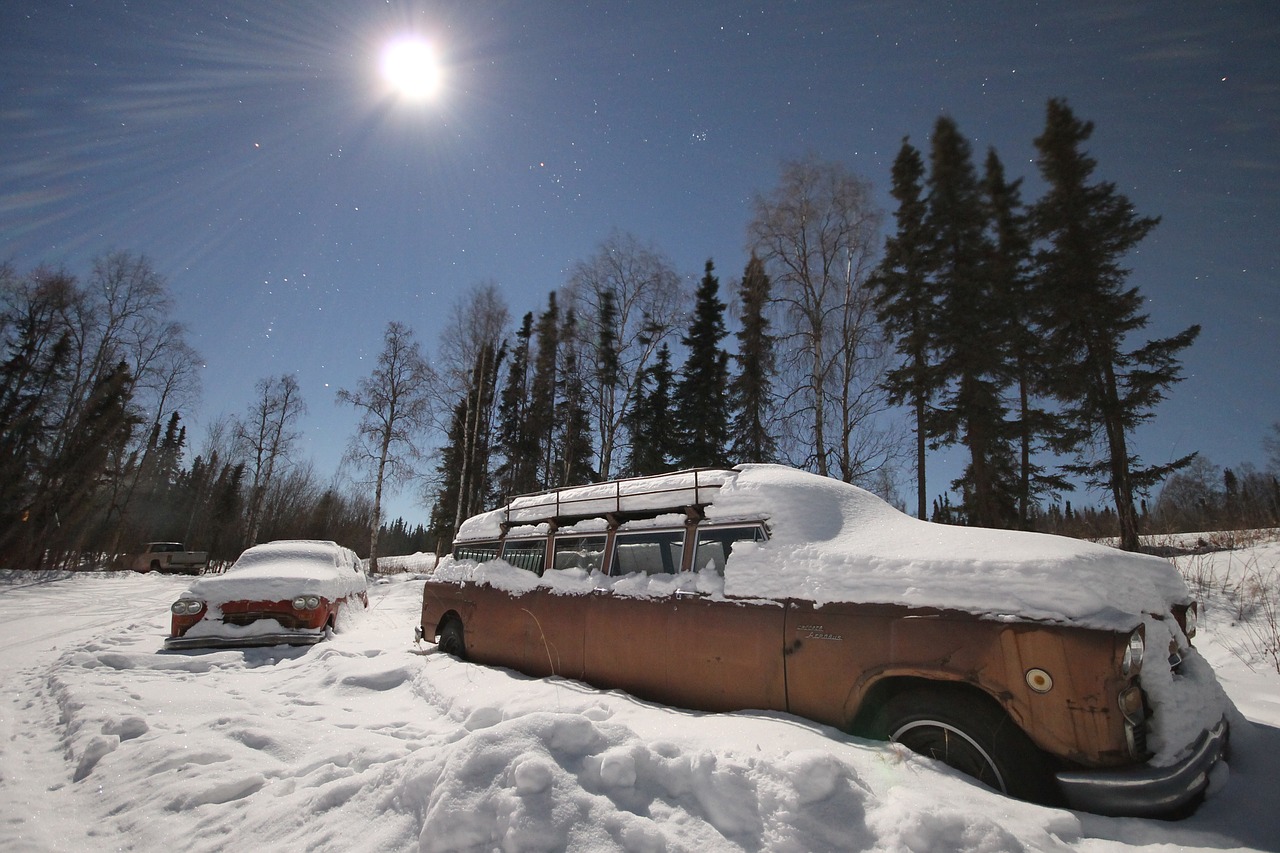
<point x="831" y="542"/>
<point x="279" y="570"/>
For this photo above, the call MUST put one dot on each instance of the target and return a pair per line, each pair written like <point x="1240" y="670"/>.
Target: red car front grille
<point x="287" y="620"/>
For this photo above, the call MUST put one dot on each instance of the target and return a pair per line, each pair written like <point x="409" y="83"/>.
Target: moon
<point x="409" y="65"/>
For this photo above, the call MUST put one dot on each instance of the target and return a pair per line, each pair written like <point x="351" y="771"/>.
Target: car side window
<point x="715" y="545"/>
<point x="653" y="552"/>
<point x="580" y="552"/>
<point x="528" y="554"/>
<point x="481" y="552"/>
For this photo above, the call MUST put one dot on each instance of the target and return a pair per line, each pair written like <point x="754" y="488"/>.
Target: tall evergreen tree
<point x="751" y="390"/>
<point x="70" y="481"/>
<point x="227" y="504"/>
<point x="542" y="393"/>
<point x="971" y="332"/>
<point x="517" y="474"/>
<point x="650" y="421"/>
<point x="445" y="511"/>
<point x="1009" y="269"/>
<point x="1106" y="390"/>
<point x="905" y="303"/>
<point x="573" y="420"/>
<point x="701" y="394"/>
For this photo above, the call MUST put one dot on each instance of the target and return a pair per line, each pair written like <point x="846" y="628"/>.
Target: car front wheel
<point x="973" y="735"/>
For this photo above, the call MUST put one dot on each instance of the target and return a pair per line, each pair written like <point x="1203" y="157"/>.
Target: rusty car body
<point x="622" y="585"/>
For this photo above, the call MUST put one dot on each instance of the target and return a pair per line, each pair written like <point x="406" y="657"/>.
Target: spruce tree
<point x="971" y="332"/>
<point x="517" y="474"/>
<point x="540" y="419"/>
<point x="573" y="419"/>
<point x="1009" y="269"/>
<point x="701" y="395"/>
<point x="650" y="422"/>
<point x="444" y="513"/>
<point x="905" y="304"/>
<point x="751" y="390"/>
<point x="1106" y="390"/>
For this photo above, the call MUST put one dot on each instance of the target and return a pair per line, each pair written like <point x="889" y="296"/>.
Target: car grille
<point x="286" y="620"/>
<point x="1138" y="739"/>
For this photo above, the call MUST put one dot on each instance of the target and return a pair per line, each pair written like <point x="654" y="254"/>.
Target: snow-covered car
<point x="286" y="592"/>
<point x="1051" y="669"/>
<point x="167" y="557"/>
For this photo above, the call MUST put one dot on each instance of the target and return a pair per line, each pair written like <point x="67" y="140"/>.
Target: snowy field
<point x="368" y="742"/>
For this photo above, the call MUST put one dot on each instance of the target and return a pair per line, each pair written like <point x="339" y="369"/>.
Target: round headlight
<point x="1133" y="653"/>
<point x="187" y="607"/>
<point x="306" y="602"/>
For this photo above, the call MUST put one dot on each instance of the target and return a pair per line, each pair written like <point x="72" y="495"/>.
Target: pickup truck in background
<point x="168" y="557"/>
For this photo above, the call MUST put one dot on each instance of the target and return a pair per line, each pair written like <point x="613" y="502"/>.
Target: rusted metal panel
<point x="817" y="662"/>
<point x="1079" y="718"/>
<point x="726" y="655"/>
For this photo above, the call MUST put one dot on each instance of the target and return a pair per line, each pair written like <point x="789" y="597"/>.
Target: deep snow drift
<point x="366" y="742"/>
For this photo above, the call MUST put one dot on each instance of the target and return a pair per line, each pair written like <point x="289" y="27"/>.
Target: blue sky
<point x="250" y="150"/>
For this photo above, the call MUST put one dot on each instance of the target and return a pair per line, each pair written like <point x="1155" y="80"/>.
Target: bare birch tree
<point x="266" y="437"/>
<point x="394" y="403"/>
<point x="645" y="299"/>
<point x="817" y="233"/>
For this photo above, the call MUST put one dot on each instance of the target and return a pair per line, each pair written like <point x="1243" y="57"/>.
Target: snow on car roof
<point x="833" y="542"/>
<point x="283" y="569"/>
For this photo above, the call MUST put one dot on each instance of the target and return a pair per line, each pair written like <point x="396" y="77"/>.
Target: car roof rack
<point x="648" y="495"/>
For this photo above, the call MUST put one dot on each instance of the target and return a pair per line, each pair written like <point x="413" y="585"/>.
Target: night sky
<point x="254" y="152"/>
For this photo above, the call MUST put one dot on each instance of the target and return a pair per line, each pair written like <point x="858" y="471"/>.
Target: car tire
<point x="451" y="639"/>
<point x="970" y="733"/>
<point x="155" y="565"/>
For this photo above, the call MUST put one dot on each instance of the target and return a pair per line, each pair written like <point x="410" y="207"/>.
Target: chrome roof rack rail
<point x="652" y="493"/>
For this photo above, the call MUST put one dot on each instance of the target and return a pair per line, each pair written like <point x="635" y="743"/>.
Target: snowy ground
<point x="367" y="742"/>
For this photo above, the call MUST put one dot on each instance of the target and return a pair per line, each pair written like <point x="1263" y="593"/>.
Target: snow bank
<point x="365" y="743"/>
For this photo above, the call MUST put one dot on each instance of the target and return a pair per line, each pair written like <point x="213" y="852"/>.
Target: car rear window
<point x="481" y="552"/>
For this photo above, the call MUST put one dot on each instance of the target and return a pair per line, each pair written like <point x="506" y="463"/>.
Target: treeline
<point x="1204" y="497"/>
<point x="92" y="446"/>
<point x="1003" y="328"/>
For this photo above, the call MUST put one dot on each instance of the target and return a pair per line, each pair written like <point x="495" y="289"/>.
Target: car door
<point x="684" y="647"/>
<point x="727" y="652"/>
<point x="626" y="626"/>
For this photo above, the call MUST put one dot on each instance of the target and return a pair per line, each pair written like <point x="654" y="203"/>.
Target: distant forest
<point x="1001" y="328"/>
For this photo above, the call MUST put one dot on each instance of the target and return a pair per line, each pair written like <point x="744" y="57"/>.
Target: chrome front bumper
<point x="1146" y="791"/>
<point x="291" y="638"/>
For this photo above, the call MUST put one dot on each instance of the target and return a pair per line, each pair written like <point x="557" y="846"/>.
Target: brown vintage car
<point x="1051" y="669"/>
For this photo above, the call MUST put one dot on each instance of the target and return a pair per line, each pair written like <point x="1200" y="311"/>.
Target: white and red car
<point x="286" y="592"/>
